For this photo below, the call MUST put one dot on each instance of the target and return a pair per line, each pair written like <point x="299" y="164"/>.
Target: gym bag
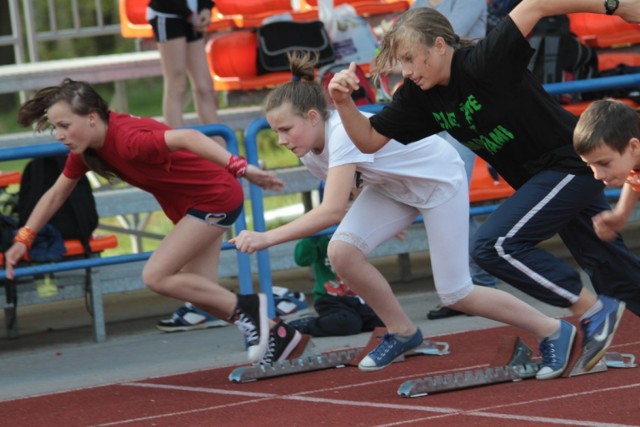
<point x="278" y="38"/>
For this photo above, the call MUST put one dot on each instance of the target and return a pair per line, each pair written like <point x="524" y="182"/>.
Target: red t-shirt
<point x="136" y="150"/>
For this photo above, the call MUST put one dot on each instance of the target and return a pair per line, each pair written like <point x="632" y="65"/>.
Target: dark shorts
<point x="172" y="28"/>
<point x="220" y="219"/>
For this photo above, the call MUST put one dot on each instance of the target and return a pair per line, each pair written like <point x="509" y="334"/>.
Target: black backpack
<point x="278" y="38"/>
<point x="559" y="55"/>
<point x="77" y="218"/>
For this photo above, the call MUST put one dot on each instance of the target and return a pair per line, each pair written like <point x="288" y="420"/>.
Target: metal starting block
<point x="335" y="359"/>
<point x="610" y="360"/>
<point x="294" y="366"/>
<point x="521" y="366"/>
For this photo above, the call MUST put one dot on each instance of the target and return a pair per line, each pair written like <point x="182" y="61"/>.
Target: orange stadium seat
<point x="232" y="63"/>
<point x="133" y="19"/>
<point x="603" y="30"/>
<point x="134" y="24"/>
<point x="251" y="13"/>
<point x="74" y="247"/>
<point x="483" y="187"/>
<point x="9" y="178"/>
<point x="608" y="61"/>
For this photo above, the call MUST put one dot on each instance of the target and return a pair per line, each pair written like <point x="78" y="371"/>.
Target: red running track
<point x="349" y="397"/>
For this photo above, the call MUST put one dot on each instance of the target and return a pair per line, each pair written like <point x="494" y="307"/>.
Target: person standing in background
<point x="178" y="27"/>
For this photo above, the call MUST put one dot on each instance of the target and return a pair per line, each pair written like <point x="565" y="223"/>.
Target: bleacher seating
<point x="232" y="63"/>
<point x="134" y="24"/>
<point x="602" y="31"/>
<point x="251" y="13"/>
<point x="608" y="61"/>
<point x="483" y="187"/>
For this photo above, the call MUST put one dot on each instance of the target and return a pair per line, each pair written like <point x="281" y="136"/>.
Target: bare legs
<point x="185" y="267"/>
<point x="179" y="61"/>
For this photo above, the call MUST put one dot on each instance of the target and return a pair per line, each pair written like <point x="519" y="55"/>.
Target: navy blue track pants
<point x="553" y="203"/>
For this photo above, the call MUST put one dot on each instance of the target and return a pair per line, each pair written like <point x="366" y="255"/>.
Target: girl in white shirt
<point x="398" y="183"/>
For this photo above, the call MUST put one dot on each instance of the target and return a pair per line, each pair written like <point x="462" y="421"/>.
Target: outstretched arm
<point x="334" y="205"/>
<point x="528" y="12"/>
<point x="198" y="143"/>
<point x="357" y="125"/>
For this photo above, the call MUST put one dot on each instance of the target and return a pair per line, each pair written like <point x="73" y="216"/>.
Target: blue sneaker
<point x="555" y="353"/>
<point x="599" y="329"/>
<point x="388" y="351"/>
<point x="187" y="318"/>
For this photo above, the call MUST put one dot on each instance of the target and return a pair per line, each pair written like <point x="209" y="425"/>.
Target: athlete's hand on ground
<point x="265" y="179"/>
<point x="343" y="84"/>
<point x="607" y="224"/>
<point x="12" y="256"/>
<point x="249" y="241"/>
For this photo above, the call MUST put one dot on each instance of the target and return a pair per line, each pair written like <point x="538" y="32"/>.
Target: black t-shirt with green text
<point x="493" y="105"/>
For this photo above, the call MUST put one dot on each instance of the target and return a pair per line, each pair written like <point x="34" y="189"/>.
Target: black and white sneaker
<point x="250" y="316"/>
<point x="283" y="339"/>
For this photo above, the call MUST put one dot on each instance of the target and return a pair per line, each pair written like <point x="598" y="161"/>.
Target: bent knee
<point x="341" y="255"/>
<point x="484" y="251"/>
<point x="455" y="299"/>
<point x="153" y="279"/>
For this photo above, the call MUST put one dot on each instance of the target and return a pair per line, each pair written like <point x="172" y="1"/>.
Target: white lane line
<point x="441" y="411"/>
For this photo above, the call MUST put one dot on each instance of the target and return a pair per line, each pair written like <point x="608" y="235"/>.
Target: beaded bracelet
<point x="237" y="166"/>
<point x="26" y="236"/>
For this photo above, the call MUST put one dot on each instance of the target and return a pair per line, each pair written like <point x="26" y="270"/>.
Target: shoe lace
<point x="247" y="327"/>
<point x="384" y="347"/>
<point x="548" y="351"/>
<point x="269" y="355"/>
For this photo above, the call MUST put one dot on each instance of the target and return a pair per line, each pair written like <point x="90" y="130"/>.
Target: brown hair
<point x="303" y="92"/>
<point x="606" y="121"/>
<point x="422" y="25"/>
<point x="82" y="99"/>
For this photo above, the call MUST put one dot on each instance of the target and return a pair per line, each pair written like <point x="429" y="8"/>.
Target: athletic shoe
<point x="283" y="339"/>
<point x="250" y="316"/>
<point x="388" y="351"/>
<point x="187" y="318"/>
<point x="441" y="312"/>
<point x="288" y="302"/>
<point x="555" y="353"/>
<point x="599" y="330"/>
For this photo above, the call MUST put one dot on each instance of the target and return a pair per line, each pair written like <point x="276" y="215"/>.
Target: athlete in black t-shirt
<point x="485" y="97"/>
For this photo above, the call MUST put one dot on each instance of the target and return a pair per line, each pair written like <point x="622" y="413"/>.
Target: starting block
<point x="522" y="365"/>
<point x="303" y="359"/>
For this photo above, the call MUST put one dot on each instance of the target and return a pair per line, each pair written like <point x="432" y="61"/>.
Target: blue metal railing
<point x="57" y="148"/>
<point x="256" y="195"/>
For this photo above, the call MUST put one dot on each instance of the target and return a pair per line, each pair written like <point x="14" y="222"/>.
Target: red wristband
<point x="237" y="166"/>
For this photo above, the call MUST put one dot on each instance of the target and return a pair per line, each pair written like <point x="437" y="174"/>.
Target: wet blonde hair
<point x="302" y="92"/>
<point x="422" y="25"/>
